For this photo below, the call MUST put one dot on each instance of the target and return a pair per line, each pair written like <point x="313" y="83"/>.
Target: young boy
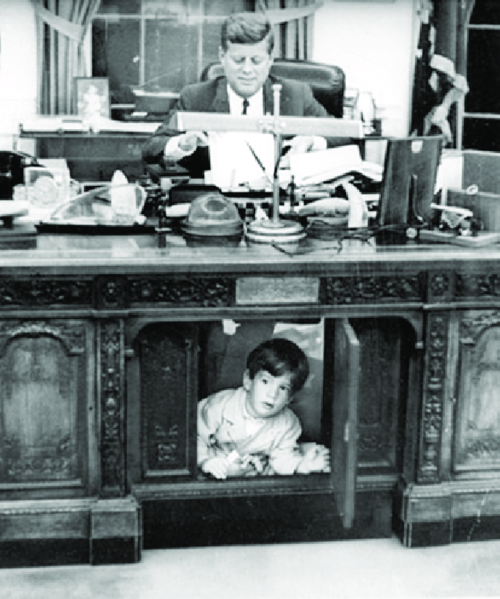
<point x="250" y="430"/>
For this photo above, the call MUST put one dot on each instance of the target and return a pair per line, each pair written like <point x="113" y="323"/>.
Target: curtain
<point x="293" y="21"/>
<point x="440" y="83"/>
<point x="61" y="29"/>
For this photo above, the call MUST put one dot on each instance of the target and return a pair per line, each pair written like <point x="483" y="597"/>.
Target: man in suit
<point x="246" y="55"/>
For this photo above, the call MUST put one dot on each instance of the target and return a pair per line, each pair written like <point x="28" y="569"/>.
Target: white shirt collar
<point x="255" y="106"/>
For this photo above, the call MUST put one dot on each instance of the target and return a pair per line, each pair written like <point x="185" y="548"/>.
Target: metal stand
<point x="275" y="230"/>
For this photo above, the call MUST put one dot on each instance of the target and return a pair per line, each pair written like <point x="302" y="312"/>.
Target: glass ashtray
<point x="110" y="205"/>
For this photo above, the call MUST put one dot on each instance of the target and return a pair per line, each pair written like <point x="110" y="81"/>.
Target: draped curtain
<point x="293" y="21"/>
<point x="440" y="82"/>
<point x="61" y="29"/>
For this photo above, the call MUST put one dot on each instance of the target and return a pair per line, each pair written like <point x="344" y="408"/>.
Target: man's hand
<point x="301" y="144"/>
<point x="316" y="459"/>
<point x="188" y="142"/>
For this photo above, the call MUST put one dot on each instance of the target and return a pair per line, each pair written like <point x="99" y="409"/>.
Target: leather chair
<point x="327" y="81"/>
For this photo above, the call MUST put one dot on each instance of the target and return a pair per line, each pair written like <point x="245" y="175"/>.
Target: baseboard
<point x="35" y="553"/>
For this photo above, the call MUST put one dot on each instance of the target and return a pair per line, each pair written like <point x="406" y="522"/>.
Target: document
<point x="317" y="167"/>
<point x="241" y="159"/>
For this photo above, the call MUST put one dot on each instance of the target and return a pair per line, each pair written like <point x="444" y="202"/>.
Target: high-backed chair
<point x="327" y="81"/>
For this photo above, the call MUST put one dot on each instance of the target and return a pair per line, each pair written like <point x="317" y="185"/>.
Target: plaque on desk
<point x="288" y="125"/>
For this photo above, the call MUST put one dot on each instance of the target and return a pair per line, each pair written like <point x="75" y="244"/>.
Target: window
<point x="481" y="123"/>
<point x="156" y="45"/>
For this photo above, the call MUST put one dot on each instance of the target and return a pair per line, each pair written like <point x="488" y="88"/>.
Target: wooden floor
<point x="344" y="569"/>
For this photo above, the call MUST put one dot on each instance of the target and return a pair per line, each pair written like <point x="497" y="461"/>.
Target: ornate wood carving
<point x="168" y="399"/>
<point x="111" y="292"/>
<point x="111" y="357"/>
<point x="37" y="292"/>
<point x="71" y="336"/>
<point x="439" y="287"/>
<point x="380" y="388"/>
<point x="208" y="292"/>
<point x="432" y="411"/>
<point x="477" y="441"/>
<point x="477" y="285"/>
<point x="41" y="392"/>
<point x="369" y="289"/>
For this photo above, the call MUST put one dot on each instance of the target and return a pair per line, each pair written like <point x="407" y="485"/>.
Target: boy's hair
<point x="247" y="28"/>
<point x="279" y="356"/>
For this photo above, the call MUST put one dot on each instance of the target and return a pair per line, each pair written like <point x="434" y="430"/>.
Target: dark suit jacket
<point x="296" y="99"/>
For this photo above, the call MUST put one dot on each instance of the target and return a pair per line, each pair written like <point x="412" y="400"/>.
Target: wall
<point x="371" y="39"/>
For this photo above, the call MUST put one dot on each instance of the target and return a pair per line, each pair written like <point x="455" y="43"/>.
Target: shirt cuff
<point x="172" y="150"/>
<point x="319" y="143"/>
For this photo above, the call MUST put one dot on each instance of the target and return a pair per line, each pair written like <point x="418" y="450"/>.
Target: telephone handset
<point x="12" y="165"/>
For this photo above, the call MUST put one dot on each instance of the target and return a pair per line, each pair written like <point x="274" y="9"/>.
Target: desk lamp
<point x="274" y="230"/>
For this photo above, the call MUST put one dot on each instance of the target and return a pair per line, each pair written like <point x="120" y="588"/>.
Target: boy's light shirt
<point x="224" y="415"/>
<point x="252" y="423"/>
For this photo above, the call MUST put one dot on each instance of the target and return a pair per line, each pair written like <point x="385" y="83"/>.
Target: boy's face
<point x="246" y="66"/>
<point x="267" y="394"/>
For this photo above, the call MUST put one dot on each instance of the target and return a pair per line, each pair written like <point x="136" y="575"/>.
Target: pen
<point x="259" y="162"/>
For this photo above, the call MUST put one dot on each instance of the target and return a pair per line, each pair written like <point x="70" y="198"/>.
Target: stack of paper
<point x="317" y="167"/>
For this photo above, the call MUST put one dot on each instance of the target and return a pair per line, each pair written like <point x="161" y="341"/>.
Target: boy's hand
<point x="316" y="459"/>
<point x="249" y="465"/>
<point x="233" y="464"/>
<point x="217" y="467"/>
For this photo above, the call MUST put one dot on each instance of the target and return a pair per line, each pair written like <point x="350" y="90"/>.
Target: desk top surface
<point x="140" y="253"/>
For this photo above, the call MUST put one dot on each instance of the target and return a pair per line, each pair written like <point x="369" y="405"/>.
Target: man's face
<point x="267" y="395"/>
<point x="246" y="66"/>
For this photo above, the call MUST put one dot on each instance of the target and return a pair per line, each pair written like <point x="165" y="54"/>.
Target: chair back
<point x="327" y="81"/>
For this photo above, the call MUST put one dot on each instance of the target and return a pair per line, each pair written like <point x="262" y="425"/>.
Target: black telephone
<point x="12" y="165"/>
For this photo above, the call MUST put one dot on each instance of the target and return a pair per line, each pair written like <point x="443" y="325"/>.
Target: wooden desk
<point x="104" y="347"/>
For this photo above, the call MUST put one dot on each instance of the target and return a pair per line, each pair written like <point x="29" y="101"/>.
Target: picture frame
<point x="92" y="97"/>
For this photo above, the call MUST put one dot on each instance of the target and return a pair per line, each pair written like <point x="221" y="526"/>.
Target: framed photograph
<point x="92" y="97"/>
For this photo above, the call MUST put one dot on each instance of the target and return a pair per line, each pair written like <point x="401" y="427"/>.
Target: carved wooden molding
<point x="476" y="435"/>
<point x="70" y="334"/>
<point x="36" y="292"/>
<point x="369" y="289"/>
<point x="439" y="286"/>
<point x="471" y="328"/>
<point x="432" y="412"/>
<point x="111" y="292"/>
<point x="477" y="285"/>
<point x="207" y="292"/>
<point x="111" y="357"/>
<point x="167" y="397"/>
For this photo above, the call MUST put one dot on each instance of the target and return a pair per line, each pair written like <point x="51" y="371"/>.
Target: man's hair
<point x="247" y="28"/>
<point x="279" y="356"/>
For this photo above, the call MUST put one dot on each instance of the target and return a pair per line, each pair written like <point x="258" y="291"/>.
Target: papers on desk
<point x="317" y="167"/>
<point x="241" y="159"/>
<point x="246" y="160"/>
